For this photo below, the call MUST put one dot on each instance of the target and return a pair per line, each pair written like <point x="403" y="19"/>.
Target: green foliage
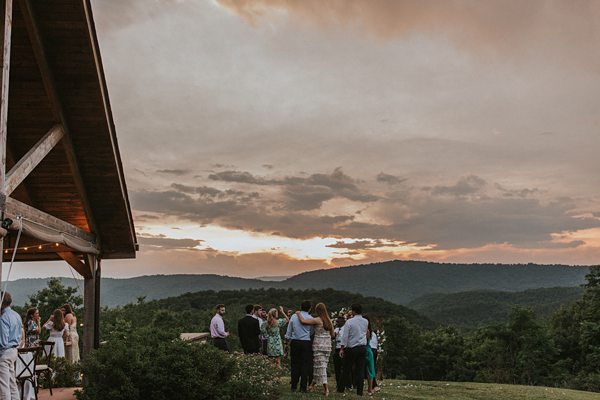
<point x="65" y="374"/>
<point x="52" y="297"/>
<point x="155" y="367"/>
<point x="475" y="309"/>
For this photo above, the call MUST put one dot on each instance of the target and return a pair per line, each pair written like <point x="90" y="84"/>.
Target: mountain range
<point x="397" y="281"/>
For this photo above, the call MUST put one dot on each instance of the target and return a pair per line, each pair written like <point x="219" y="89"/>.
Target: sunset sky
<point x="271" y="137"/>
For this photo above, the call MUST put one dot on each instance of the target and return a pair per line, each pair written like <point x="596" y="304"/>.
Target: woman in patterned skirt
<point x="271" y="330"/>
<point x="321" y="344"/>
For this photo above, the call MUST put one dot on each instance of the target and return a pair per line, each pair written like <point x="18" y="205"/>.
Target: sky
<point x="271" y="137"/>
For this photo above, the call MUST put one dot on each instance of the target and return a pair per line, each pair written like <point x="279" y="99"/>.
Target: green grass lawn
<point x="420" y="390"/>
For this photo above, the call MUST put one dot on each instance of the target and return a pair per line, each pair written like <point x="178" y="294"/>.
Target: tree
<point x="54" y="296"/>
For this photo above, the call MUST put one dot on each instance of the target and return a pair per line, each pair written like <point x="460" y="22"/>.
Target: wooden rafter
<point x="39" y="52"/>
<point x="25" y="165"/>
<point x="15" y="208"/>
<point x="82" y="268"/>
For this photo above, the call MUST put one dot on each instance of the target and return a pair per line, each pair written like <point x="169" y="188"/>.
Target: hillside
<point x="122" y="291"/>
<point x="397" y="281"/>
<point x="404" y="281"/>
<point x="483" y="307"/>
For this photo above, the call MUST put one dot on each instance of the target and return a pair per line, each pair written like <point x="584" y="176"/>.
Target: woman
<point x="32" y="327"/>
<point x="271" y="331"/>
<point x="72" y="344"/>
<point x="321" y="344"/>
<point x="370" y="358"/>
<point x="59" y="331"/>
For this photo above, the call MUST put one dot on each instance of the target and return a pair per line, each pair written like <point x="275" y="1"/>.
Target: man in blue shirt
<point x="11" y="327"/>
<point x="300" y="347"/>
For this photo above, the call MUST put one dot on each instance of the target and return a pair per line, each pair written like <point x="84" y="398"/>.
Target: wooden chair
<point x="42" y="367"/>
<point x="26" y="368"/>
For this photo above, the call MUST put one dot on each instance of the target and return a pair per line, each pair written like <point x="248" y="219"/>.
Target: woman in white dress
<point x="321" y="344"/>
<point x="72" y="343"/>
<point x="59" y="331"/>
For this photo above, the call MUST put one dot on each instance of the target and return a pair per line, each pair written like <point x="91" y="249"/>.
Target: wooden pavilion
<point x="61" y="178"/>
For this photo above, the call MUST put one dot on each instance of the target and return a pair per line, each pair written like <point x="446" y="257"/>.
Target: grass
<point x="421" y="390"/>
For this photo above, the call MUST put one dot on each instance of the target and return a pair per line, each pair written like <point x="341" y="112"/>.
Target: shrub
<point x="150" y="368"/>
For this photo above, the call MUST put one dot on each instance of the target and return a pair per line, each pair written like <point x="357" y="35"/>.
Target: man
<point x="217" y="329"/>
<point x="249" y="331"/>
<point x="10" y="337"/>
<point x="337" y="360"/>
<point x="258" y="314"/>
<point x="353" y="350"/>
<point x="300" y="348"/>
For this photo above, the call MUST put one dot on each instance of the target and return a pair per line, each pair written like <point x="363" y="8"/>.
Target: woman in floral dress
<point x="32" y="327"/>
<point x="271" y="330"/>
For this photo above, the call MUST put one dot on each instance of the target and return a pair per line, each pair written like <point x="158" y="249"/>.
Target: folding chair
<point x="42" y="367"/>
<point x="25" y="368"/>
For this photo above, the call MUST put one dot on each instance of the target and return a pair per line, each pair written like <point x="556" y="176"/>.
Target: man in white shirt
<point x="353" y="350"/>
<point x="217" y="329"/>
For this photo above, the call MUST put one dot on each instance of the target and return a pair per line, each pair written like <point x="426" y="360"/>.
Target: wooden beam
<point x="39" y="52"/>
<point x="48" y="228"/>
<point x="5" y="43"/>
<point x="76" y="263"/>
<point x="89" y="306"/>
<point x="34" y="156"/>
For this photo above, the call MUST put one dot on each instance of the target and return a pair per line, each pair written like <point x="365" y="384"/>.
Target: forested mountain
<point x="404" y="281"/>
<point x="484" y="307"/>
<point x="397" y="281"/>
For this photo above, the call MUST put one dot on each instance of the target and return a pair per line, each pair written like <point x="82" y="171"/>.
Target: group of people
<point x="309" y="340"/>
<point x="14" y="334"/>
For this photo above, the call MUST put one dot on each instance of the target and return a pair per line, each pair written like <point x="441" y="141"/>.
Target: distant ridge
<point x="396" y="281"/>
<point x="404" y="281"/>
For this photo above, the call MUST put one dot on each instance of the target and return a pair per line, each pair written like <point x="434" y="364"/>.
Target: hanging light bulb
<point x="25" y="248"/>
<point x="6" y="251"/>
<point x="40" y="247"/>
<point x="56" y="244"/>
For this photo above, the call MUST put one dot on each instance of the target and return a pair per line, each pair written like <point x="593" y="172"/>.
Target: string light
<point x="51" y="247"/>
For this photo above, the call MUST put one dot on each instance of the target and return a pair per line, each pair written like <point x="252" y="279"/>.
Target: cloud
<point x="505" y="25"/>
<point x="176" y="172"/>
<point x="516" y="192"/>
<point x="165" y="242"/>
<point x="444" y="217"/>
<point x="303" y="193"/>
<point x="465" y="186"/>
<point x="389" y="179"/>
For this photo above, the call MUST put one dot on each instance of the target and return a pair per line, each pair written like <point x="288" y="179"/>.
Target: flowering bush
<point x="255" y="378"/>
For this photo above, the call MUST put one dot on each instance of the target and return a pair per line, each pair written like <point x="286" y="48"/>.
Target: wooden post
<point x="97" y="304"/>
<point x="5" y="40"/>
<point x="89" y="306"/>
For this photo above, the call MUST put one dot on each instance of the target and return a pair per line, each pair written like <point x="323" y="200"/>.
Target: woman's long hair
<point x="272" y="317"/>
<point x="68" y="309"/>
<point x="322" y="313"/>
<point x="30" y="314"/>
<point x="59" y="320"/>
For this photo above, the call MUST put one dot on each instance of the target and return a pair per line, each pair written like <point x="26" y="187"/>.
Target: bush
<point x="65" y="373"/>
<point x="255" y="378"/>
<point x="144" y="367"/>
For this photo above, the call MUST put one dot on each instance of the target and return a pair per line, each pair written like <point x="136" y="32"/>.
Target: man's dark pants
<point x="220" y="343"/>
<point x="337" y="364"/>
<point x="355" y="359"/>
<point x="301" y="361"/>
